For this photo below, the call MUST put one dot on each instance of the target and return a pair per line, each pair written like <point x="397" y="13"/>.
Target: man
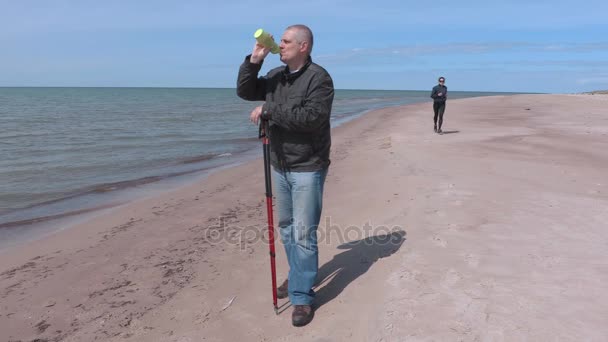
<point x="298" y="105"/>
<point x="439" y="94"/>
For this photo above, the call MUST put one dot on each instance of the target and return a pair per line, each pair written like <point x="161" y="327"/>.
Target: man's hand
<point x="439" y="94"/>
<point x="259" y="53"/>
<point x="255" y="115"/>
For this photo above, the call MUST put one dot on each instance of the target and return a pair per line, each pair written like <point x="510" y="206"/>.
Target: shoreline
<point x="38" y="198"/>
<point x="45" y="224"/>
<point x="498" y="231"/>
<point x="99" y="202"/>
<point x="107" y="197"/>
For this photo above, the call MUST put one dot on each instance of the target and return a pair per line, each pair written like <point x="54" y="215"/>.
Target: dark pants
<point x="438" y="108"/>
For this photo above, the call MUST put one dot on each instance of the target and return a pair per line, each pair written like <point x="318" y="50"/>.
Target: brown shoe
<point x="302" y="315"/>
<point x="282" y="291"/>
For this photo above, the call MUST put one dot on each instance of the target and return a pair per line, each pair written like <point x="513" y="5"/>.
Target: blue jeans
<point x="299" y="197"/>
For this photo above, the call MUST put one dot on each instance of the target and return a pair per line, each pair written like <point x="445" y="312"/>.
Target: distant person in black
<point x="439" y="96"/>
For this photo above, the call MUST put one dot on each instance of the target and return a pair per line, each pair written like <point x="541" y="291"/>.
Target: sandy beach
<point x="493" y="231"/>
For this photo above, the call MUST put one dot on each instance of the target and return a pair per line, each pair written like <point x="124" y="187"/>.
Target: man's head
<point x="296" y="45"/>
<point x="441" y="80"/>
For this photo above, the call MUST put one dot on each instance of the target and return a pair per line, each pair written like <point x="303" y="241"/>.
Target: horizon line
<point x="185" y="87"/>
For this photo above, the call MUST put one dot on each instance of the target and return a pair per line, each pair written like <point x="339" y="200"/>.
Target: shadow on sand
<point x="357" y="259"/>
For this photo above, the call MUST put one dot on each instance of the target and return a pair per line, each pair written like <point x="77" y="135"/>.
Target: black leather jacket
<point x="439" y="89"/>
<point x="298" y="106"/>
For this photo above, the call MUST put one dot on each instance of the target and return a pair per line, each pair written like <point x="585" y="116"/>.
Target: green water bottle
<point x="264" y="39"/>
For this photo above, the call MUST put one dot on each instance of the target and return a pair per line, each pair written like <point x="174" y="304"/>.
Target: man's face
<point x="441" y="81"/>
<point x="290" y="48"/>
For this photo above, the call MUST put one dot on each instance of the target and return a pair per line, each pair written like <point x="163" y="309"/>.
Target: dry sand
<point x="503" y="238"/>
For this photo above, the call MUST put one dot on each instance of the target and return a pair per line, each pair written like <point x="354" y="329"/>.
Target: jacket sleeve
<point x="248" y="85"/>
<point x="434" y="93"/>
<point x="311" y="114"/>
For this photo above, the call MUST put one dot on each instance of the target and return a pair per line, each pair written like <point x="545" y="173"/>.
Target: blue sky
<point x="520" y="46"/>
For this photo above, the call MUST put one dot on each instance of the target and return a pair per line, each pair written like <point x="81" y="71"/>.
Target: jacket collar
<point x="291" y="76"/>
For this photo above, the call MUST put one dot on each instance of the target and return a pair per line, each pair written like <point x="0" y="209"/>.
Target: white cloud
<point x="464" y="48"/>
<point x="601" y="80"/>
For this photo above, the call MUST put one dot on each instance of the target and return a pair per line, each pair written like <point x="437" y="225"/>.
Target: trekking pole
<point x="266" y="147"/>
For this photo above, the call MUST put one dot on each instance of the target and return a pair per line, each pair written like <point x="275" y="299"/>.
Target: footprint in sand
<point x="450" y="278"/>
<point x="472" y="260"/>
<point x="440" y="213"/>
<point x="437" y="241"/>
<point x="459" y="195"/>
<point x="453" y="227"/>
<point x="386" y="143"/>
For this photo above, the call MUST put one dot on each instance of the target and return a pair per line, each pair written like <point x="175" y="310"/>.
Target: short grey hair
<point x="303" y="34"/>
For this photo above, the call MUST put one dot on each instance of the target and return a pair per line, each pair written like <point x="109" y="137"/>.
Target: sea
<point x="66" y="152"/>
